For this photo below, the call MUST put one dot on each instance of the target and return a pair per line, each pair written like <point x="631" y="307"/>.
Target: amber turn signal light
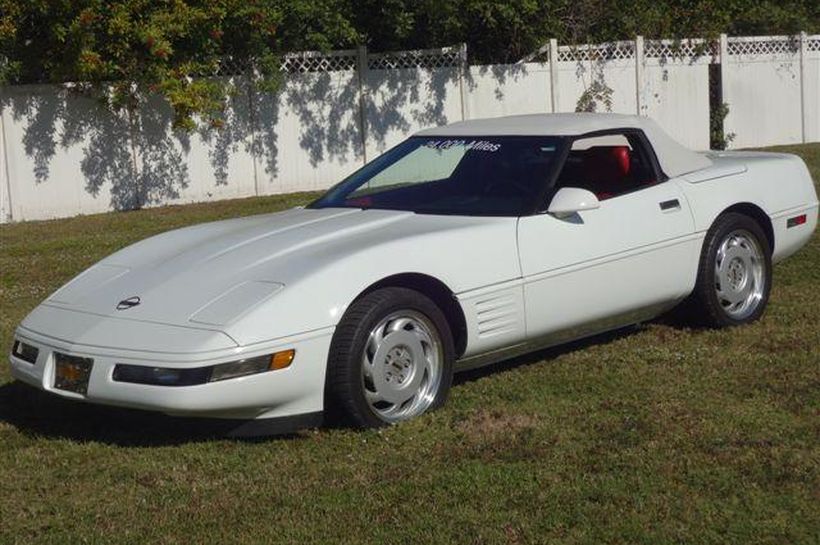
<point x="281" y="360"/>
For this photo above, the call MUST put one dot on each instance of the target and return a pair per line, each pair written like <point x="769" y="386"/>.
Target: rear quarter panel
<point x="777" y="183"/>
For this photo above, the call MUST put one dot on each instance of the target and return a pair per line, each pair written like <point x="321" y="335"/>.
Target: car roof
<point x="674" y="158"/>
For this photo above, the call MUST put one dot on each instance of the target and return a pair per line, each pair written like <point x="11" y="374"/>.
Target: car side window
<point x="608" y="165"/>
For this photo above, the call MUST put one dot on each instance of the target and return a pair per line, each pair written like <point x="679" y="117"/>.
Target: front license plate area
<point x="71" y="373"/>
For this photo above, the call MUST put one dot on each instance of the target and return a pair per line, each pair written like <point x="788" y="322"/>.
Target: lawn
<point x="655" y="434"/>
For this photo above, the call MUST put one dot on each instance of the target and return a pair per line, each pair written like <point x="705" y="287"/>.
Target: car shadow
<point x="543" y="355"/>
<point x="37" y="413"/>
<point x="40" y="414"/>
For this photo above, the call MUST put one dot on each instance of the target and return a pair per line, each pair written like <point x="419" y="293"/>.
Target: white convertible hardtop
<point x="674" y="158"/>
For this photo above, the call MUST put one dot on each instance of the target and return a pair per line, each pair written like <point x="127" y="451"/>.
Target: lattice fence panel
<point x="230" y="67"/>
<point x="813" y="44"/>
<point x="293" y="63"/>
<point x="313" y="61"/>
<point x="597" y="52"/>
<point x="674" y="49"/>
<point x="425" y="59"/>
<point x="763" y="46"/>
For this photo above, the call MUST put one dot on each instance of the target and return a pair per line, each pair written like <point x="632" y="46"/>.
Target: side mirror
<point x="570" y="200"/>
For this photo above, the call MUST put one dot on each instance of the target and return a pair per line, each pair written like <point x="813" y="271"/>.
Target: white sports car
<point x="461" y="246"/>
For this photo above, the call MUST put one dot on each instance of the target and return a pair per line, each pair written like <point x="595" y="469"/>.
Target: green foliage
<point x="507" y="31"/>
<point x="126" y="50"/>
<point x="718" y="138"/>
<point x="597" y="94"/>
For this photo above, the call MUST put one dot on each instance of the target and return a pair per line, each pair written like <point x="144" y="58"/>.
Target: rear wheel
<point x="391" y="358"/>
<point x="734" y="275"/>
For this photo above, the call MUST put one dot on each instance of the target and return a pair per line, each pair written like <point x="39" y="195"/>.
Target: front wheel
<point x="734" y="275"/>
<point x="391" y="358"/>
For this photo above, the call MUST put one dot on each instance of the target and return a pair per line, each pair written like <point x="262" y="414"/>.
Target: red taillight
<point x="795" y="221"/>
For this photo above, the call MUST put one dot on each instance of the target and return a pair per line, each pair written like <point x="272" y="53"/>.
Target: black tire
<point x="704" y="306"/>
<point x="345" y="399"/>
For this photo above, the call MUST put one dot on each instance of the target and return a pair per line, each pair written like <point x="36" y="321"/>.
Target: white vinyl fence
<point x="772" y="87"/>
<point x="61" y="154"/>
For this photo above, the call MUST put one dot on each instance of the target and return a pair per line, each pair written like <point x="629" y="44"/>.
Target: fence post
<point x="803" y="113"/>
<point x="554" y="74"/>
<point x="638" y="73"/>
<point x="361" y="80"/>
<point x="6" y="214"/>
<point x="254" y="123"/>
<point x="723" y="59"/>
<point x="136" y="154"/>
<point x="463" y="72"/>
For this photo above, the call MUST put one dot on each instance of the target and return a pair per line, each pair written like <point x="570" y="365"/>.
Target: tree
<point x="127" y="50"/>
<point x="506" y="31"/>
<point x="124" y="51"/>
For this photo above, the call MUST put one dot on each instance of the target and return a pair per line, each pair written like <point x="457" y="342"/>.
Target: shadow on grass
<point x="38" y="413"/>
<point x="544" y="355"/>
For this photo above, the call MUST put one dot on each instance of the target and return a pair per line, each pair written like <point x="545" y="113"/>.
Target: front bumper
<point x="296" y="390"/>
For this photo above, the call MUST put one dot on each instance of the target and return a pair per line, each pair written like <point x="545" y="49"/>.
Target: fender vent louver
<point x="496" y="315"/>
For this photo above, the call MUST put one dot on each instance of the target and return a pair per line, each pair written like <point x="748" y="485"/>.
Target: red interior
<point x="607" y="164"/>
<point x="606" y="167"/>
<point x="360" y="201"/>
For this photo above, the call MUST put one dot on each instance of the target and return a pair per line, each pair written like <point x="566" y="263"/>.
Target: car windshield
<point x="481" y="176"/>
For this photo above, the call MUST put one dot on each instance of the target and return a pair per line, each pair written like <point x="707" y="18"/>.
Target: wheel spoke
<point x="391" y="412"/>
<point x="375" y="339"/>
<point x="422" y="336"/>
<point x="723" y="288"/>
<point x="367" y="365"/>
<point x="745" y="293"/>
<point x="410" y="394"/>
<point x="399" y="324"/>
<point x="731" y="296"/>
<point x="430" y="360"/>
<point x="372" y="397"/>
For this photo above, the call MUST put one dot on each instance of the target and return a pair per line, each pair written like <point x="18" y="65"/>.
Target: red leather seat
<point x="606" y="168"/>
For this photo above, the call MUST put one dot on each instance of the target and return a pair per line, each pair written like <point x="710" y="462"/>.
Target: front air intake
<point x="25" y="352"/>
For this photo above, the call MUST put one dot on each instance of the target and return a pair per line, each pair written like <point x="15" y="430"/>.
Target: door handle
<point x="667" y="206"/>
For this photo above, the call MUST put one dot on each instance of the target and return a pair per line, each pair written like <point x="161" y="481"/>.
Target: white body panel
<point x="777" y="183"/>
<point x="323" y="258"/>
<point x="287" y="392"/>
<point x="602" y="263"/>
<point x="245" y="287"/>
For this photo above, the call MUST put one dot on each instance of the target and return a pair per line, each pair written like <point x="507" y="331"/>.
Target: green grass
<point x="656" y="434"/>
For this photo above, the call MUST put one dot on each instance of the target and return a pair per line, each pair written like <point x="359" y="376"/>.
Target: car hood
<point x="205" y="276"/>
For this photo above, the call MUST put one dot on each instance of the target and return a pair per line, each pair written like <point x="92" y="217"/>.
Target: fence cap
<point x="674" y="158"/>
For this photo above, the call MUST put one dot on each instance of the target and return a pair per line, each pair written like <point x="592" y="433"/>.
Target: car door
<point x="623" y="262"/>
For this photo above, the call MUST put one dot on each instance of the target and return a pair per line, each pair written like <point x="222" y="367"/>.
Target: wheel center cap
<point x="398" y="365"/>
<point x="737" y="273"/>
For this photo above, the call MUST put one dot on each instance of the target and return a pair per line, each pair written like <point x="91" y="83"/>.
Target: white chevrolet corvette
<point x="462" y="246"/>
